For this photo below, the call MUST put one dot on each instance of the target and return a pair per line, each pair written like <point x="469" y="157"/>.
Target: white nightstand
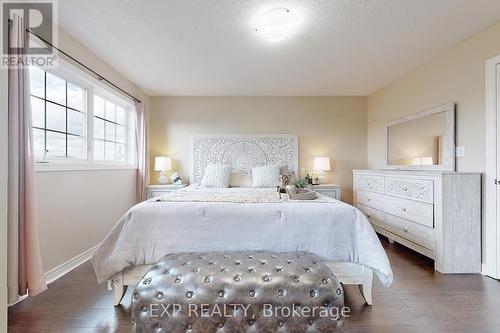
<point x="330" y="190"/>
<point x="159" y="190"/>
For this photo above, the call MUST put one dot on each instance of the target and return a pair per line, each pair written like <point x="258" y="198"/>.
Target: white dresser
<point x="435" y="213"/>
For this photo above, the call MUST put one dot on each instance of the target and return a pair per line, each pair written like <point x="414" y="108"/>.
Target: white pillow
<point x="216" y="175"/>
<point x="266" y="176"/>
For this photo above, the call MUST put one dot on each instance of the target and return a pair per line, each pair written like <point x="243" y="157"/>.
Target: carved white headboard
<point x="243" y="152"/>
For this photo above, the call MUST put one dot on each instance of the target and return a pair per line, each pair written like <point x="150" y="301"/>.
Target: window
<point x="110" y="130"/>
<point x="79" y="122"/>
<point x="59" y="117"/>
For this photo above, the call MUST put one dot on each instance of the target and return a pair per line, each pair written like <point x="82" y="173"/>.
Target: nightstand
<point x="330" y="190"/>
<point x="159" y="190"/>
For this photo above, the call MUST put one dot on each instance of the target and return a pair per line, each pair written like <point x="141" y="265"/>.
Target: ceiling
<point x="208" y="47"/>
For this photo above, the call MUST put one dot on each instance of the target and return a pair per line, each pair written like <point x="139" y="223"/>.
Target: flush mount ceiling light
<point x="275" y="24"/>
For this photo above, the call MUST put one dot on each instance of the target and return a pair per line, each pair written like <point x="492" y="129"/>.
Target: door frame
<point x="491" y="231"/>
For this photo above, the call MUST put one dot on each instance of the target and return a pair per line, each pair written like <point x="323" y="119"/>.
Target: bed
<point x="240" y="218"/>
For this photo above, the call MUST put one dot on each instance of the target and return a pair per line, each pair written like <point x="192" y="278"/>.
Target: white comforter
<point x="200" y="219"/>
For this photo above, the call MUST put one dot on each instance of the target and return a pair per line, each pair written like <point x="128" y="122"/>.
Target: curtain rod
<point x="99" y="76"/>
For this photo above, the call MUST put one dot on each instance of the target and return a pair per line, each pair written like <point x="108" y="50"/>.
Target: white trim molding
<point x="67" y="266"/>
<point x="491" y="231"/>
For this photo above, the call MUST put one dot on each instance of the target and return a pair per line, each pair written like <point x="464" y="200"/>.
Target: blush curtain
<point x="142" y="151"/>
<point x="25" y="272"/>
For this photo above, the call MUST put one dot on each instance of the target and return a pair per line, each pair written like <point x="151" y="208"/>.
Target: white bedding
<point x="235" y="219"/>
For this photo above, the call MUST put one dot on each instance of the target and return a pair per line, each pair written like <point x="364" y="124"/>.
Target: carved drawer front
<point x="371" y="199"/>
<point x="418" y="189"/>
<point x="370" y="183"/>
<point x="411" y="231"/>
<point x="415" y="211"/>
<point x="375" y="216"/>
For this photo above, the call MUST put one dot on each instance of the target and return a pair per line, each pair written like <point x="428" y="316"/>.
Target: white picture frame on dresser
<point x="159" y="190"/>
<point x="437" y="214"/>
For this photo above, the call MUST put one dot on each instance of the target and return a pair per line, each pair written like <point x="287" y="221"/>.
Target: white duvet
<point x="236" y="219"/>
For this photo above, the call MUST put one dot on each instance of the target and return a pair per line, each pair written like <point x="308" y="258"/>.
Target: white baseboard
<point x="69" y="265"/>
<point x="63" y="269"/>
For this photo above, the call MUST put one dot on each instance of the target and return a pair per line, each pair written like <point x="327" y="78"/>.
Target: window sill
<point x="48" y="167"/>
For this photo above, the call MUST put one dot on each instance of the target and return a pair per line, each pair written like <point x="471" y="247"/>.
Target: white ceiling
<point x="207" y="47"/>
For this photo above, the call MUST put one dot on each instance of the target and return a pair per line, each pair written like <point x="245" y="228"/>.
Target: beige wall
<point x="78" y="208"/>
<point x="334" y="126"/>
<point x="457" y="76"/>
<point x="3" y="199"/>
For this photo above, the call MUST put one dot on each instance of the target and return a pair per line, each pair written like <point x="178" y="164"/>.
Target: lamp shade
<point x="322" y="163"/>
<point x="163" y="163"/>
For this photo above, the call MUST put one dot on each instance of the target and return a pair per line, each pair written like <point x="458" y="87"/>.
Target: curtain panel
<point x="25" y="273"/>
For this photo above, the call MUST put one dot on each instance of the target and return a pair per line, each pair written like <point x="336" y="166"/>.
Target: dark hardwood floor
<point x="420" y="300"/>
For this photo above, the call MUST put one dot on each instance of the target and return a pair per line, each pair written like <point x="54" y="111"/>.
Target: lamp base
<point x="163" y="179"/>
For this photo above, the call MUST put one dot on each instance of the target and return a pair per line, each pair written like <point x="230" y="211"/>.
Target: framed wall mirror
<point x="422" y="141"/>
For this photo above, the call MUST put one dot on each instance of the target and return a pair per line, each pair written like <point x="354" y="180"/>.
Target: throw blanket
<point x="239" y="220"/>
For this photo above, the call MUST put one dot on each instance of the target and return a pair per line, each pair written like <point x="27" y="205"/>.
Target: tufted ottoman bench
<point x="254" y="291"/>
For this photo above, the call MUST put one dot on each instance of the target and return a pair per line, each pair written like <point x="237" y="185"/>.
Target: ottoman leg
<point x="120" y="290"/>
<point x="366" y="287"/>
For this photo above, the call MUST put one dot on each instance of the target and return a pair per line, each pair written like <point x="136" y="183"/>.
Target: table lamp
<point x="321" y="164"/>
<point x="163" y="164"/>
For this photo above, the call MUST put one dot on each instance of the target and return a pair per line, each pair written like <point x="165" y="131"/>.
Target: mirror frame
<point x="448" y="139"/>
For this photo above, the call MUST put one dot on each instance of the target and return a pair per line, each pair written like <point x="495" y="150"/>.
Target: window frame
<point x="76" y="76"/>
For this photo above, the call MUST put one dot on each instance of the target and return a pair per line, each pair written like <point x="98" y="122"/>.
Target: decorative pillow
<point x="266" y="176"/>
<point x="216" y="175"/>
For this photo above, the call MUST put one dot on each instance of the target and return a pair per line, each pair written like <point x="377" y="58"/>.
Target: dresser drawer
<point x="371" y="199"/>
<point x="416" y="211"/>
<point x="370" y="183"/>
<point x="375" y="216"/>
<point x="418" y="189"/>
<point x="411" y="231"/>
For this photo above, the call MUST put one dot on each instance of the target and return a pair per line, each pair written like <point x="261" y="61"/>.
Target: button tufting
<point x="178" y="280"/>
<point x="135" y="296"/>
<point x="280" y="324"/>
<point x="289" y="262"/>
<point x="251" y="270"/>
<point x="221" y="293"/>
<point x="325" y="304"/>
<point x="166" y="271"/>
<point x="296" y="279"/>
<point x="220" y="325"/>
<point x="313" y="293"/>
<point x="281" y="293"/>
<point x="279" y="269"/>
<point x="211" y="263"/>
<point x="307" y="269"/>
<point x="189" y="294"/>
<point x="223" y="269"/>
<point x="251" y="293"/>
<point x="339" y="291"/>
<point x="196" y="270"/>
<point x="207" y="280"/>
<point x="324" y="281"/>
<point x="144" y="308"/>
<point x="310" y="322"/>
<point x="266" y="278"/>
<point x="189" y="326"/>
<point x="237" y="278"/>
<point x="263" y="262"/>
<point x="251" y="322"/>
<point x="159" y="295"/>
<point x="250" y="257"/>
<point x="237" y="263"/>
<point x="147" y="281"/>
